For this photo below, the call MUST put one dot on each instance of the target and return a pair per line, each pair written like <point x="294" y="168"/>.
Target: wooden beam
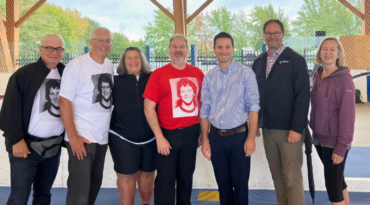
<point x="201" y="8"/>
<point x="12" y="33"/>
<point x="353" y="9"/>
<point x="5" y="48"/>
<point x="178" y="10"/>
<point x="365" y="8"/>
<point x="29" y="13"/>
<point x="168" y="13"/>
<point x="185" y="11"/>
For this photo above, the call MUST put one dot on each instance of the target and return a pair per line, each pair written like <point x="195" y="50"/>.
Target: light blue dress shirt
<point x="227" y="97"/>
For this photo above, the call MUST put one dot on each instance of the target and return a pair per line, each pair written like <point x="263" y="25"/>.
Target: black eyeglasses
<point x="100" y="40"/>
<point x="276" y="34"/>
<point x="51" y="49"/>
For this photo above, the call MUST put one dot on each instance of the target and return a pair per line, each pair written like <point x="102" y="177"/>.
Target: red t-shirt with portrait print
<point x="177" y="94"/>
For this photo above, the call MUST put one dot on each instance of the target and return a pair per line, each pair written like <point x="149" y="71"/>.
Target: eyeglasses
<point x="276" y="34"/>
<point x="51" y="49"/>
<point x="100" y="40"/>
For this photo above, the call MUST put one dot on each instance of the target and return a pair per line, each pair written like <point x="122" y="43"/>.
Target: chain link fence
<point x="149" y="24"/>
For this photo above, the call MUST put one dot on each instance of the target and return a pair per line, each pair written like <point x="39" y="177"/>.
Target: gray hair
<point x="51" y="36"/>
<point x="93" y="32"/>
<point x="179" y="36"/>
<point x="121" y="69"/>
<point x="340" y="60"/>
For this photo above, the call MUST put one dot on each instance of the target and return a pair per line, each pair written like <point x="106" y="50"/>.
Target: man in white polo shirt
<point x="86" y="125"/>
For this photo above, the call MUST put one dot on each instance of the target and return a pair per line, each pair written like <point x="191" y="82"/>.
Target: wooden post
<point x="163" y="9"/>
<point x="364" y="15"/>
<point x="196" y="13"/>
<point x="5" y="48"/>
<point x="179" y="17"/>
<point x="12" y="32"/>
<point x="29" y="13"/>
<point x="178" y="10"/>
<point x="365" y="7"/>
<point x="185" y="15"/>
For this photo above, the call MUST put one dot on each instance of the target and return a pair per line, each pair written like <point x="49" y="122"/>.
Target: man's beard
<point x="181" y="60"/>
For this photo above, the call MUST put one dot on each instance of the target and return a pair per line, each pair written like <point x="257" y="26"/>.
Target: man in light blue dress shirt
<point x="229" y="99"/>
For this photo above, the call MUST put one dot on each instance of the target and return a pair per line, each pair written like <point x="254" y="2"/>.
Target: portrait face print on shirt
<point x="49" y="92"/>
<point x="184" y="97"/>
<point x="102" y="91"/>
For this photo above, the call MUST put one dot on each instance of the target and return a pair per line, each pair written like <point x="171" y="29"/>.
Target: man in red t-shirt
<point x="174" y="90"/>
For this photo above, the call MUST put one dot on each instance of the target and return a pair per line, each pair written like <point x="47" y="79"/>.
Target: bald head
<point x="51" y="37"/>
<point x="97" y="29"/>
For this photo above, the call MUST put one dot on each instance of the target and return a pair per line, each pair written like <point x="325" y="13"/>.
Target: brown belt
<point x="226" y="133"/>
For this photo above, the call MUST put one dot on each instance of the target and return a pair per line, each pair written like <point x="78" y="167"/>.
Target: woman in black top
<point x="131" y="141"/>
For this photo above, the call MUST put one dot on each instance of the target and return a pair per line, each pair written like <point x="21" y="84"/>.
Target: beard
<point x="179" y="57"/>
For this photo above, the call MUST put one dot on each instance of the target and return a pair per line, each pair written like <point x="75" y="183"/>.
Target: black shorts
<point x="129" y="158"/>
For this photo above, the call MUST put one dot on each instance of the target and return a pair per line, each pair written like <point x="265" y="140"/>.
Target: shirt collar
<point x="278" y="52"/>
<point x="229" y="69"/>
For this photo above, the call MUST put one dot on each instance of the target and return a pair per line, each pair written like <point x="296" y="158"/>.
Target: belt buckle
<point x="222" y="131"/>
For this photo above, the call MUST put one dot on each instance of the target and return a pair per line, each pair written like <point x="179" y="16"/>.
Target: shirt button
<point x="222" y="109"/>
<point x="222" y="121"/>
<point x="224" y="76"/>
<point x="224" y="86"/>
<point x="223" y="98"/>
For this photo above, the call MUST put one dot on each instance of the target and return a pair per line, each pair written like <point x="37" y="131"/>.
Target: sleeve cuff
<point x="150" y="98"/>
<point x="340" y="149"/>
<point x="254" y="108"/>
<point x="66" y="97"/>
<point x="203" y="116"/>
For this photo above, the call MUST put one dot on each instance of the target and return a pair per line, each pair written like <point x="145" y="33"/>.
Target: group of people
<point x="155" y="121"/>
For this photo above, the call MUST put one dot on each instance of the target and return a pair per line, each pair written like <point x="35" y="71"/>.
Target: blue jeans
<point x="34" y="169"/>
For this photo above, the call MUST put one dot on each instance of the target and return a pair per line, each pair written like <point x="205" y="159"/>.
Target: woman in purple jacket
<point x="333" y="116"/>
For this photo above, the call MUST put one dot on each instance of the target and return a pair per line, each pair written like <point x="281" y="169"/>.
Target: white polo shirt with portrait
<point x="88" y="85"/>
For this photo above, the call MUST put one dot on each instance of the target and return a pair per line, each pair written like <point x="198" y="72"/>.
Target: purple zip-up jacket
<point x="333" y="109"/>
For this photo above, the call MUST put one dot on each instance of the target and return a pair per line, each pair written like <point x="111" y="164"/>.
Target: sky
<point x="131" y="16"/>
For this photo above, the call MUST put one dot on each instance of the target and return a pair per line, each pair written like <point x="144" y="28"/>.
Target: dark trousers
<point x="333" y="173"/>
<point x="178" y="166"/>
<point x="85" y="176"/>
<point x="231" y="167"/>
<point x="33" y="170"/>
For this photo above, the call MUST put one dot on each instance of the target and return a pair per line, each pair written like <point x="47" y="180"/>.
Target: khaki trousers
<point x="285" y="161"/>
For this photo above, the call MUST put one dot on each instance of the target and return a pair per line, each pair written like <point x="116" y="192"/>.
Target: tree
<point x="327" y="15"/>
<point x="257" y="19"/>
<point x="159" y="32"/>
<point x="203" y="32"/>
<point x="221" y="20"/>
<point x="119" y="44"/>
<point x="241" y="30"/>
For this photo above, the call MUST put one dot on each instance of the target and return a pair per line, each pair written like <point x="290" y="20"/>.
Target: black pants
<point x="178" y="166"/>
<point x="333" y="173"/>
<point x="85" y="176"/>
<point x="231" y="167"/>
